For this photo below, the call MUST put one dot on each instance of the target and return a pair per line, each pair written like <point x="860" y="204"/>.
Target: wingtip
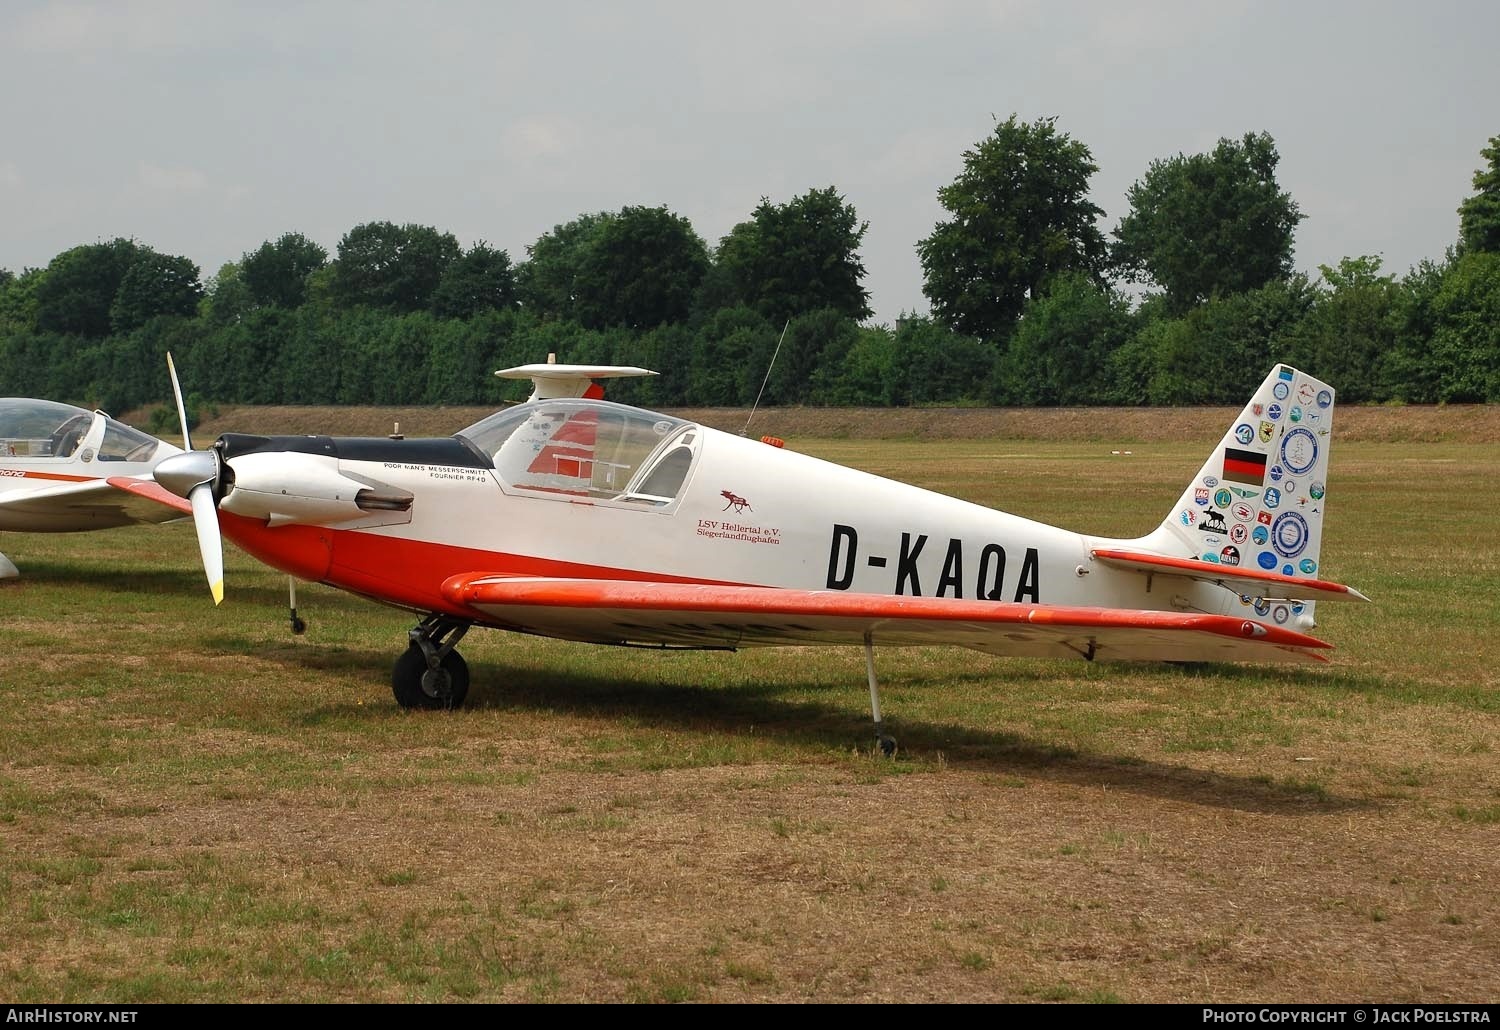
<point x="217" y="589"/>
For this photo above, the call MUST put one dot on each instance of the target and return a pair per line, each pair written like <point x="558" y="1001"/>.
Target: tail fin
<point x="1258" y="501"/>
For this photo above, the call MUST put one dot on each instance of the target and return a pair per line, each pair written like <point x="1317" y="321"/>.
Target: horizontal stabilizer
<point x="1272" y="586"/>
<point x="553" y="380"/>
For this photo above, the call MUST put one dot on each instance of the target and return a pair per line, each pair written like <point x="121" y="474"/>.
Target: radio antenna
<point x="767" y="379"/>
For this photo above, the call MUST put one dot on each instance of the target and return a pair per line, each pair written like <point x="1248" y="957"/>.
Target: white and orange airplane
<point x="570" y="516"/>
<point x="55" y="463"/>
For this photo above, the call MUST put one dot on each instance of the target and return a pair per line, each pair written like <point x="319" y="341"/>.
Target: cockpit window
<point x="578" y="448"/>
<point x="121" y="443"/>
<point x="37" y="429"/>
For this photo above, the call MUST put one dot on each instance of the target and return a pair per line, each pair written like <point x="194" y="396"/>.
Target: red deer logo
<point x="736" y="502"/>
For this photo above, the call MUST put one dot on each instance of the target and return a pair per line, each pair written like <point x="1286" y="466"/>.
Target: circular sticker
<point x="1222" y="498"/>
<point x="1262" y="606"/>
<point x="1289" y="534"/>
<point x="1280" y="390"/>
<point x="1230" y="556"/>
<point x="1260" y="534"/>
<point x="1290" y="486"/>
<point x="1210" y="481"/>
<point x="1266" y="560"/>
<point x="1242" y="512"/>
<point x="1280" y="614"/>
<point x="1238" y="533"/>
<point x="1296" y="415"/>
<point x="1308" y="566"/>
<point x="1316" y="490"/>
<point x="1299" y="451"/>
<point x="1305" y="393"/>
<point x="1273" y="412"/>
<point x="1244" y="433"/>
<point x="1276" y="473"/>
<point x="1325" y="398"/>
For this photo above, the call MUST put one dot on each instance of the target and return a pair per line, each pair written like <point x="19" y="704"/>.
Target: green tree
<point x="547" y="281"/>
<point x="481" y="280"/>
<point x="79" y="287"/>
<point x="1218" y="352"/>
<point x="276" y="273"/>
<point x="1208" y="225"/>
<point x="729" y="361"/>
<point x="793" y="258"/>
<point x="18" y="301"/>
<point x="1059" y="352"/>
<point x="1408" y="372"/>
<point x="1466" y="330"/>
<point x="870" y="374"/>
<point x="639" y="269"/>
<point x="392" y="267"/>
<point x="1020" y="216"/>
<point x="1346" y="335"/>
<point x="226" y="296"/>
<point x="1479" y="215"/>
<point x="155" y="284"/>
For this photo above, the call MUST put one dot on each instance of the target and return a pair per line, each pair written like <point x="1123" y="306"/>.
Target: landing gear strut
<point x="886" y="744"/>
<point x="431" y="674"/>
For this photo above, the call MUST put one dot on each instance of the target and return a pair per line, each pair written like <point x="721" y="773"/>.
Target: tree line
<point x="1187" y="301"/>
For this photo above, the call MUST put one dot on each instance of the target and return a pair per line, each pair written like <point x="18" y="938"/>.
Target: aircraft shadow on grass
<point x="768" y="710"/>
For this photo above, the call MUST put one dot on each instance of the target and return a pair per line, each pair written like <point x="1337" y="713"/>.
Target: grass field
<point x="197" y="806"/>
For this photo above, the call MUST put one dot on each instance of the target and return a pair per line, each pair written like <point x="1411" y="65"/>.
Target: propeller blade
<point x="210" y="547"/>
<point x="187" y="444"/>
<point x="195" y="475"/>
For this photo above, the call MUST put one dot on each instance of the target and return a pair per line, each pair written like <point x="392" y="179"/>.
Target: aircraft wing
<point x="152" y="494"/>
<point x="1253" y="582"/>
<point x="103" y="498"/>
<point x="711" y="615"/>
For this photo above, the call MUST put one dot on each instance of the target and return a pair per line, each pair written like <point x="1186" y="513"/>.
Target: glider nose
<point x="180" y="473"/>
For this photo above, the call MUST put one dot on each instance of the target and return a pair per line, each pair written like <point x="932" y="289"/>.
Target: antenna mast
<point x="767" y="379"/>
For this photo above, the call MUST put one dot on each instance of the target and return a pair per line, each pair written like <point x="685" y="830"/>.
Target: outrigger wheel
<point x="431" y="674"/>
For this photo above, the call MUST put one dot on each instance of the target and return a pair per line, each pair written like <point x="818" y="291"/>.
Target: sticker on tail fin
<point x="1273" y="456"/>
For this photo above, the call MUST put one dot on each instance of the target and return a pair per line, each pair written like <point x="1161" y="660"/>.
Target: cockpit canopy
<point x="34" y="428"/>
<point x="589" y="448"/>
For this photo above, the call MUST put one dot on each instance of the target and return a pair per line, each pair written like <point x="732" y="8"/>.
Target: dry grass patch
<point x="198" y="807"/>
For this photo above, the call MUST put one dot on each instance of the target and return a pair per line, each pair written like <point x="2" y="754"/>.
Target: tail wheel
<point x="417" y="686"/>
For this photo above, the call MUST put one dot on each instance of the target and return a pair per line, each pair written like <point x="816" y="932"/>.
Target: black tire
<point x="414" y="688"/>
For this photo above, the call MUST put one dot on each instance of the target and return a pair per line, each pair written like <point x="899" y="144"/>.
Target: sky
<point x="205" y="128"/>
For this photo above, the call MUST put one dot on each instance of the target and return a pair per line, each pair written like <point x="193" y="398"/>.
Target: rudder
<point x="1259" y="499"/>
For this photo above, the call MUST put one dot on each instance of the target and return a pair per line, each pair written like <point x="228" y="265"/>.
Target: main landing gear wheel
<point x="431" y="674"/>
<point x="417" y="686"/>
<point x="887" y="745"/>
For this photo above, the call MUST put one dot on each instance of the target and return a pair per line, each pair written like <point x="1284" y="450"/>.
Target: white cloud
<point x="172" y="180"/>
<point x="86" y="29"/>
<point x="541" y="136"/>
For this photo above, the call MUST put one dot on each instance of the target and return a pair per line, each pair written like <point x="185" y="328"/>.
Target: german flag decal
<point x="1248" y="467"/>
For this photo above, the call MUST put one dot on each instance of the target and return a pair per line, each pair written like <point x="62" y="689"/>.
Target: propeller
<point x="194" y="475"/>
